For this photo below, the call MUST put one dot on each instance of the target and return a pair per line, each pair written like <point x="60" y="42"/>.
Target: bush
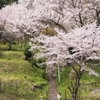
<point x="45" y="75"/>
<point x="27" y="53"/>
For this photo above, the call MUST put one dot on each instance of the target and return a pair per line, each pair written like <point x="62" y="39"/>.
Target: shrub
<point x="27" y="53"/>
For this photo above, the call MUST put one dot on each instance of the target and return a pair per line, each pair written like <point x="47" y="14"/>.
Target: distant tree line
<point x="6" y="2"/>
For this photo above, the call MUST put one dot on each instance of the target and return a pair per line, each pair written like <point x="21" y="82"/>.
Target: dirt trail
<point x="52" y="88"/>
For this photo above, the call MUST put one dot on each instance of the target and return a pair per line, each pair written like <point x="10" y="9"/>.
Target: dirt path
<point x="52" y="88"/>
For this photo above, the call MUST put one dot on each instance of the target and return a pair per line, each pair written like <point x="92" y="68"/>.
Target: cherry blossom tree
<point x="6" y="19"/>
<point x="76" y="22"/>
<point x="28" y="17"/>
<point x="18" y="20"/>
<point x="85" y="45"/>
<point x="66" y="14"/>
<point x="82" y="41"/>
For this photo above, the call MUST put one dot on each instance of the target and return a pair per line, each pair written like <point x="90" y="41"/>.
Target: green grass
<point x="13" y="73"/>
<point x="64" y="83"/>
<point x="15" y="85"/>
<point x="12" y="55"/>
<point x="84" y="91"/>
<point x="15" y="47"/>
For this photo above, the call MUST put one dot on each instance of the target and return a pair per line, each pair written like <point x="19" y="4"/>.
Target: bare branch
<point x="75" y="70"/>
<point x="70" y="90"/>
<point x="52" y="22"/>
<point x="81" y="22"/>
<point x="72" y="86"/>
<point x="56" y="11"/>
<point x="91" y="83"/>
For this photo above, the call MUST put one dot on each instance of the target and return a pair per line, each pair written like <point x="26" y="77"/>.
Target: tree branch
<point x="75" y="70"/>
<point x="81" y="22"/>
<point x="70" y="90"/>
<point x="52" y="22"/>
<point x="91" y="83"/>
<point x="72" y="87"/>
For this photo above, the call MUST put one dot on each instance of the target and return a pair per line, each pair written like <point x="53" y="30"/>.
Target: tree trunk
<point x="98" y="18"/>
<point x="21" y="42"/>
<point x="74" y="89"/>
<point x="58" y="73"/>
<point x="0" y="36"/>
<point x="18" y="41"/>
<point x="77" y="86"/>
<point x="25" y="42"/>
<point x="10" y="46"/>
<point x="47" y="31"/>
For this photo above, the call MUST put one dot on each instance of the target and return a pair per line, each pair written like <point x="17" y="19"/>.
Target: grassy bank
<point x="86" y="92"/>
<point x="18" y="77"/>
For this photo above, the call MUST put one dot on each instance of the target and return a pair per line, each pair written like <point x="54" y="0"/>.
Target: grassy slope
<point x="84" y="91"/>
<point x="14" y="71"/>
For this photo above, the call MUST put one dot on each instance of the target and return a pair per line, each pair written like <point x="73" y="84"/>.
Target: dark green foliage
<point x="14" y="43"/>
<point x="27" y="53"/>
<point x="6" y="2"/>
<point x="94" y="61"/>
<point x="70" y="50"/>
<point x="35" y="61"/>
<point x="10" y="1"/>
<point x="41" y="60"/>
<point x="45" y="75"/>
<point x="2" y="3"/>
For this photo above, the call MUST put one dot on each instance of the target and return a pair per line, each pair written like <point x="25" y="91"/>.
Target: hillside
<point x="18" y="78"/>
<point x="86" y="92"/>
